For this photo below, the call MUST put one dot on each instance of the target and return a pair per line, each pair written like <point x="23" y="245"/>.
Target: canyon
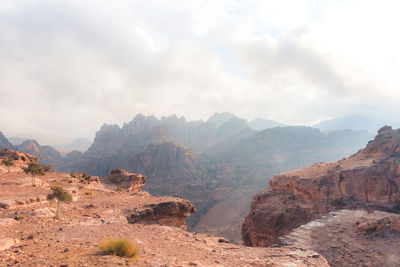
<point x="218" y="164"/>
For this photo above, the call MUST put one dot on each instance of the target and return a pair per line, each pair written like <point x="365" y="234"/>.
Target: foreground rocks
<point x="352" y="238"/>
<point x="124" y="180"/>
<point x="30" y="236"/>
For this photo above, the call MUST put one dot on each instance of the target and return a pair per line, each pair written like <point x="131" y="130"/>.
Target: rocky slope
<point x="352" y="238"/>
<point x="368" y="179"/>
<point x="20" y="160"/>
<point x="29" y="236"/>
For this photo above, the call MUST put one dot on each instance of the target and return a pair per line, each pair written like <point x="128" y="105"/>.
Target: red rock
<point x="369" y="178"/>
<point x="125" y="180"/>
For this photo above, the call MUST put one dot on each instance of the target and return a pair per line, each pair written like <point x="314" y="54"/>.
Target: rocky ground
<point x="352" y="238"/>
<point x="30" y="236"/>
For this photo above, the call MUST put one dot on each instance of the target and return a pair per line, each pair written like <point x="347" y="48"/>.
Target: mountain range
<point x="218" y="164"/>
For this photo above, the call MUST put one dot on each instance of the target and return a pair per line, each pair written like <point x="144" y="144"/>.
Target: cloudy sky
<point x="67" y="67"/>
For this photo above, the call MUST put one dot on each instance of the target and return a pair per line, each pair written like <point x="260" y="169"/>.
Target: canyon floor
<point x="30" y="236"/>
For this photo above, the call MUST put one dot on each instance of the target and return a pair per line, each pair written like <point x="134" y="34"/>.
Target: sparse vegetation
<point x="61" y="195"/>
<point x="120" y="247"/>
<point x="34" y="168"/>
<point x="8" y="162"/>
<point x="89" y="193"/>
<point x="72" y="175"/>
<point x="119" y="189"/>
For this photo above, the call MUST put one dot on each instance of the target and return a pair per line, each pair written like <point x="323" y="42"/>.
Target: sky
<point x="67" y="67"/>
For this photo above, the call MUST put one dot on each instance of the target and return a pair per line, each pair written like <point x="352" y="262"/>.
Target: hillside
<point x="30" y="236"/>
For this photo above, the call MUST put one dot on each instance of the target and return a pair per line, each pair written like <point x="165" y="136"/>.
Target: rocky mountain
<point x="368" y="179"/>
<point x="30" y="236"/>
<point x="218" y="167"/>
<point x="4" y="143"/>
<point x="46" y="154"/>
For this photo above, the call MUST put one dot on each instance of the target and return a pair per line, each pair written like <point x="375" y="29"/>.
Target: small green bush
<point x="120" y="247"/>
<point x="119" y="189"/>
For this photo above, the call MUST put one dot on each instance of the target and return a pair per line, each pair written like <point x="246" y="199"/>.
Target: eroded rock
<point x="124" y="180"/>
<point x="368" y="179"/>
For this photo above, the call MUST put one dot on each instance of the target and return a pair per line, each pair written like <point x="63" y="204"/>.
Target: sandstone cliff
<point x="368" y="179"/>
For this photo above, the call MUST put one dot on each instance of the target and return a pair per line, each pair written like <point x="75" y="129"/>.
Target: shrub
<point x="88" y="193"/>
<point x="61" y="195"/>
<point x="120" y="247"/>
<point x="119" y="189"/>
<point x="21" y="217"/>
<point x="72" y="175"/>
<point x="86" y="176"/>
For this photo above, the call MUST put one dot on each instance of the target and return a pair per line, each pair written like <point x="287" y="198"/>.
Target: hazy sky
<point x="67" y="67"/>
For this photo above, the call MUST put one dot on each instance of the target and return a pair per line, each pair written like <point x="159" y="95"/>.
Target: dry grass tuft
<point x="88" y="193"/>
<point x="120" y="247"/>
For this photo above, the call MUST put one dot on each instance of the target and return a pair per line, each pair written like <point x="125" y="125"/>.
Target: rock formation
<point x="170" y="212"/>
<point x="20" y="160"/>
<point x="124" y="180"/>
<point x="367" y="179"/>
<point x="351" y="238"/>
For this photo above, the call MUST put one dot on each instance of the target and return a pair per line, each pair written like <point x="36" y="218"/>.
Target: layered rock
<point x="171" y="212"/>
<point x="351" y="238"/>
<point x="124" y="180"/>
<point x="369" y="179"/>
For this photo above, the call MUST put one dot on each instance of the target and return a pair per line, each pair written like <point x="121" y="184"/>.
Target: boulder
<point x="125" y="180"/>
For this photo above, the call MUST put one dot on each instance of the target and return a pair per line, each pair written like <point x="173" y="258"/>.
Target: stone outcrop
<point x="171" y="213"/>
<point x="368" y="179"/>
<point x="351" y="238"/>
<point x="20" y="160"/>
<point x="124" y="180"/>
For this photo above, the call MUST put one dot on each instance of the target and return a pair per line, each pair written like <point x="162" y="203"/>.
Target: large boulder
<point x="124" y="180"/>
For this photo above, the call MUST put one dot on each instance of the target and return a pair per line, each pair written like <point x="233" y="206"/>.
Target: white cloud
<point x="66" y="67"/>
